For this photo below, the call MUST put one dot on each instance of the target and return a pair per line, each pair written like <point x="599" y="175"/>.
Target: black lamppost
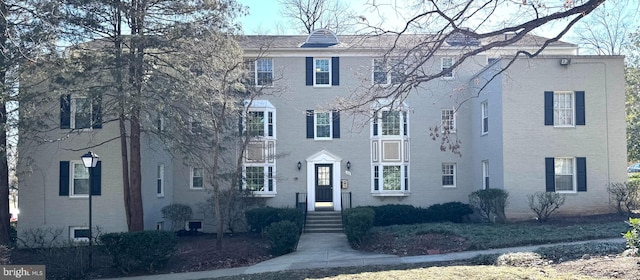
<point x="90" y="160"/>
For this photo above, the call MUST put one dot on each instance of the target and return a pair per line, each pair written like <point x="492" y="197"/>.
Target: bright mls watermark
<point x="29" y="272"/>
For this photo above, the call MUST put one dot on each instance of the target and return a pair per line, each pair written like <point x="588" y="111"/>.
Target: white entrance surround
<point x="323" y="157"/>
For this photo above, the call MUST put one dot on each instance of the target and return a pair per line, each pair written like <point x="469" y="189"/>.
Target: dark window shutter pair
<point x="335" y="116"/>
<point x="65" y="179"/>
<point x="579" y="107"/>
<point x="65" y="111"/>
<point x="581" y="170"/>
<point x="335" y="71"/>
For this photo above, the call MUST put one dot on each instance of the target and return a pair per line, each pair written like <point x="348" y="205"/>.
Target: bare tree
<point x="315" y="14"/>
<point x="607" y="30"/>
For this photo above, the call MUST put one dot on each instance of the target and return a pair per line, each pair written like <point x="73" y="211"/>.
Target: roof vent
<point x="321" y="38"/>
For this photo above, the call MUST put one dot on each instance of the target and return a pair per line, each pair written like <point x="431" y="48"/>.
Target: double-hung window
<point x="197" y="178"/>
<point x="323" y="125"/>
<point x="74" y="179"/>
<point x="449" y="175"/>
<point x="388" y="71"/>
<point x="564" y="108"/>
<point x="446" y="64"/>
<point x="566" y="174"/>
<point x="484" y="107"/>
<point x="448" y="123"/>
<point x="80" y="112"/>
<point x="80" y="180"/>
<point x="322" y="75"/>
<point x="259" y="72"/>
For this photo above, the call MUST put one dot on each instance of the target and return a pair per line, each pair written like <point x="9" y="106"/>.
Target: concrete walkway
<point x="326" y="250"/>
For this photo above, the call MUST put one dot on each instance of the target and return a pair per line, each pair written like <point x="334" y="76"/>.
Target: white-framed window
<point x="195" y="124"/>
<point x="446" y="64"/>
<point x="448" y="122"/>
<point x="260" y="119"/>
<point x="485" y="174"/>
<point x="563" y="108"/>
<point x="323" y="125"/>
<point x="160" y="180"/>
<point x="79" y="234"/>
<point x="197" y="178"/>
<point x="484" y="108"/>
<point x="322" y="72"/>
<point x="80" y="179"/>
<point x="449" y="175"/>
<point x="160" y="226"/>
<point x="565" y="170"/>
<point x="259" y="178"/>
<point x="393" y="178"/>
<point x="255" y="124"/>
<point x="259" y="72"/>
<point x="388" y="71"/>
<point x="390" y="123"/>
<point x="81" y="112"/>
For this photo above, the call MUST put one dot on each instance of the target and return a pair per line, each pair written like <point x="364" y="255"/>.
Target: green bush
<point x="283" y="236"/>
<point x="396" y="214"/>
<point x="260" y="218"/>
<point x="633" y="235"/>
<point x="446" y="212"/>
<point x="148" y="250"/>
<point x="178" y="214"/>
<point x="293" y="215"/>
<point x="490" y="204"/>
<point x="357" y="223"/>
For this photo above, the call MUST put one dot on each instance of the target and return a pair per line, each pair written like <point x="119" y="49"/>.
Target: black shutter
<point x="96" y="179"/>
<point x="309" y="71"/>
<point x="336" y="124"/>
<point x="65" y="111"/>
<point x="310" y="126"/>
<point x="335" y="71"/>
<point x="550" y="174"/>
<point x="580" y="110"/>
<point x="96" y="111"/>
<point x="64" y="179"/>
<point x="375" y="124"/>
<point x="581" y="167"/>
<point x="548" y="108"/>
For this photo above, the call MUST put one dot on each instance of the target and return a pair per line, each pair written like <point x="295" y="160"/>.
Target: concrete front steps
<point x="324" y="222"/>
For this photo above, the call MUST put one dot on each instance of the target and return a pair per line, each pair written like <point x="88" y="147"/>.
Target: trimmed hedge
<point x="260" y="218"/>
<point x="148" y="250"/>
<point x="403" y="214"/>
<point x="357" y="223"/>
<point x="283" y="236"/>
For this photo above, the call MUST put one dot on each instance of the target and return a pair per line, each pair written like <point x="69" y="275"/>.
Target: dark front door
<point x="324" y="187"/>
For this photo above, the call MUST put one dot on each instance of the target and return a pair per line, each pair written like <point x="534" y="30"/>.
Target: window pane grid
<point x="448" y="121"/>
<point x="323" y="125"/>
<point x="391" y="178"/>
<point x="379" y="72"/>
<point x="80" y="179"/>
<point x="564" y="170"/>
<point x="448" y="174"/>
<point x="390" y="123"/>
<point x="447" y="62"/>
<point x="563" y="108"/>
<point x="264" y="72"/>
<point x="197" y="178"/>
<point x="255" y="124"/>
<point x="255" y="178"/>
<point x="322" y="71"/>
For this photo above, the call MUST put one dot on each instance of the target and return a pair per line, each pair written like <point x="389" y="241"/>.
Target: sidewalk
<point x="326" y="250"/>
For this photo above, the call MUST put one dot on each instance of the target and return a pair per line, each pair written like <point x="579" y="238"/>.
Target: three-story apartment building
<point x="552" y="123"/>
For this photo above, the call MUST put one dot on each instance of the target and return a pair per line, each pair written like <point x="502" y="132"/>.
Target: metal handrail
<point x="303" y="207"/>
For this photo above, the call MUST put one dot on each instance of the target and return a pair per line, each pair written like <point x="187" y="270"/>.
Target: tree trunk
<point x="4" y="166"/>
<point x="219" y="129"/>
